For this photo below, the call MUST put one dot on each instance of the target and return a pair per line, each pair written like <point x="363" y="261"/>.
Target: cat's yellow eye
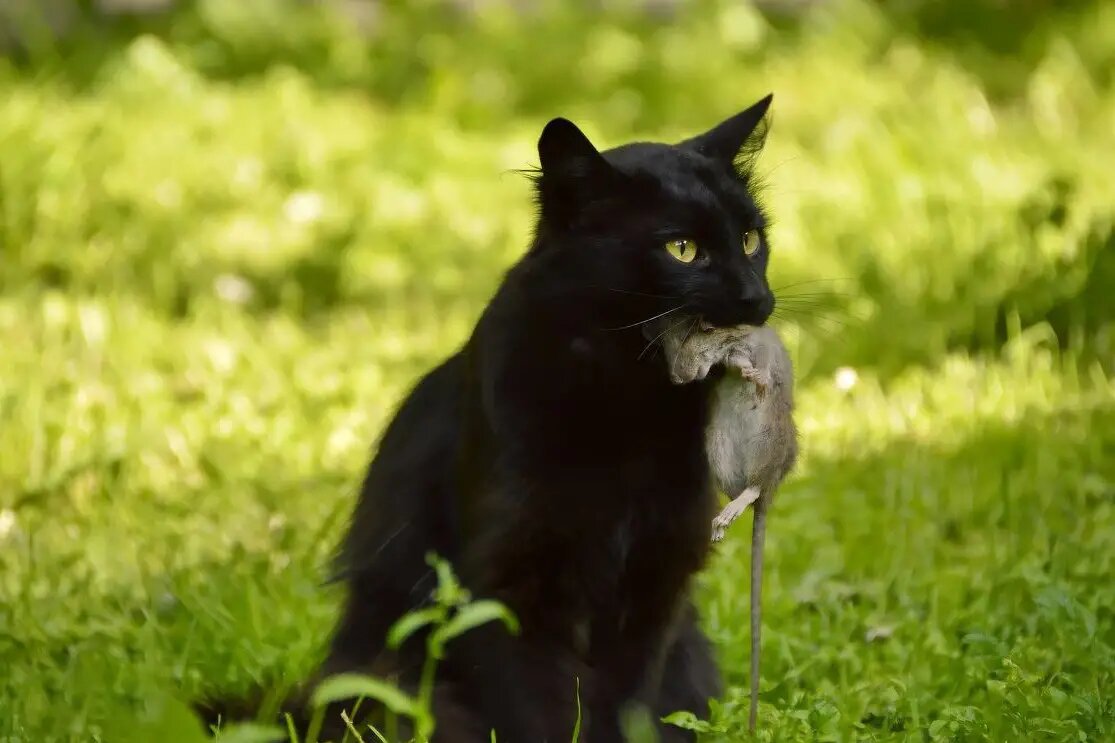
<point x="750" y="242"/>
<point x="683" y="250"/>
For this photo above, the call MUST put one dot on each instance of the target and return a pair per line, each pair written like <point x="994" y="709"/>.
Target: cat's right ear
<point x="566" y="153"/>
<point x="735" y="139"/>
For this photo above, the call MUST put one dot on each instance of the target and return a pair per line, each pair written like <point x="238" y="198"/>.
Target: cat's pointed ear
<point x="742" y="133"/>
<point x="574" y="175"/>
<point x="565" y="152"/>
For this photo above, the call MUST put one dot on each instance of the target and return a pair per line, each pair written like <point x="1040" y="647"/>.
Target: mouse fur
<point x="750" y="438"/>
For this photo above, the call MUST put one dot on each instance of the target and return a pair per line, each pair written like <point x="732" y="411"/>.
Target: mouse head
<point x="691" y="352"/>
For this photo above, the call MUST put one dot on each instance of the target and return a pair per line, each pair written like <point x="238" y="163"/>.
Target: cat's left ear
<point x="743" y="132"/>
<point x="574" y="173"/>
<point x="566" y="153"/>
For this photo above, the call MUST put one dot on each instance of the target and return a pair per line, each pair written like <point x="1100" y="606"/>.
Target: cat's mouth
<point x="753" y="308"/>
<point x="706" y="327"/>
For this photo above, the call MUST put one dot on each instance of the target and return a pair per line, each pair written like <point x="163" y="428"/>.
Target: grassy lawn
<point x="230" y="241"/>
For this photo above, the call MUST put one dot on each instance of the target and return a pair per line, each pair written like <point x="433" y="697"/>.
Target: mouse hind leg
<point x="732" y="511"/>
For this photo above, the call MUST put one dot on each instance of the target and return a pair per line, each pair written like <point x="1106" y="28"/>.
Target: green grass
<point x="228" y="248"/>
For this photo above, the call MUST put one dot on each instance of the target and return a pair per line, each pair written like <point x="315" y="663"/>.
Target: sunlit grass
<point x="225" y="255"/>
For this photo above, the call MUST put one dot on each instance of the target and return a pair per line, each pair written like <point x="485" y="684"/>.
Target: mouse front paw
<point x="759" y="377"/>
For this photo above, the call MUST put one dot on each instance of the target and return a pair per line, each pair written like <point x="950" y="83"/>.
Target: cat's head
<point x="677" y="225"/>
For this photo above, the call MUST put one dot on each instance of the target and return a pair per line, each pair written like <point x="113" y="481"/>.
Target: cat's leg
<point x="522" y="685"/>
<point x="690" y="679"/>
<point x="732" y="511"/>
<point x="626" y="662"/>
<point x="524" y="690"/>
<point x="640" y="650"/>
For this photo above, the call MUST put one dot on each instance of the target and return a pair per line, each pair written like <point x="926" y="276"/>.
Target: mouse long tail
<point x="758" y="537"/>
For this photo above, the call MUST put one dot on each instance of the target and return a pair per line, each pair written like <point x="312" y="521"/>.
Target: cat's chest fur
<point x="587" y="448"/>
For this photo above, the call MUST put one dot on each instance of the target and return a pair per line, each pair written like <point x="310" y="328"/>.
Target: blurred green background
<point x="234" y="232"/>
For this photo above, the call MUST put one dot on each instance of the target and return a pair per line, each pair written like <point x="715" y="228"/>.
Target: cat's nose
<point x="749" y="292"/>
<point x="757" y="305"/>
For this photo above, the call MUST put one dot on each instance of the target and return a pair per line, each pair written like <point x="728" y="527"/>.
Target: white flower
<point x="7" y="522"/>
<point x="845" y="378"/>
<point x="304" y="207"/>
<point x="882" y="632"/>
<point x="233" y="289"/>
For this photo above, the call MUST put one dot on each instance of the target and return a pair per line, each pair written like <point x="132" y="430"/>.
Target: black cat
<point x="552" y="461"/>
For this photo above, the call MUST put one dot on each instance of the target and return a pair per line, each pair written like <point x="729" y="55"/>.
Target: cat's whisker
<point x="804" y="308"/>
<point x="811" y="307"/>
<point x="655" y="338"/>
<point x="810" y="281"/>
<point x="819" y="300"/>
<point x="635" y="294"/>
<point x="797" y="291"/>
<point x="649" y="319"/>
<point x="806" y="319"/>
<point x="813" y="296"/>
<point x="773" y="168"/>
<point x="808" y="298"/>
<point x="829" y="280"/>
<point x="684" y="338"/>
<point x="810" y="302"/>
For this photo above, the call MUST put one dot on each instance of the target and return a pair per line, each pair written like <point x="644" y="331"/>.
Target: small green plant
<point x="453" y="613"/>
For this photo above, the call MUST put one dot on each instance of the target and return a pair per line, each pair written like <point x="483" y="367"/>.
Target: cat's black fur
<point x="553" y="462"/>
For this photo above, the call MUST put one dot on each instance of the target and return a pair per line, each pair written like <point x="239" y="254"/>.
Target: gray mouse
<point x="751" y="439"/>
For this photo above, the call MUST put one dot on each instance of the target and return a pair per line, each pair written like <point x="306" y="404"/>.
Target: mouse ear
<point x="742" y="134"/>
